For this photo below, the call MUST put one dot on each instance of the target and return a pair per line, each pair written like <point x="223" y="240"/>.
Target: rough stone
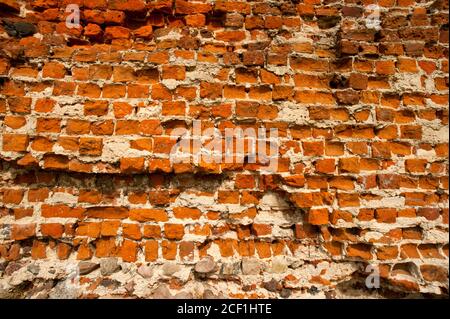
<point x="250" y="266"/>
<point x="34" y="269"/>
<point x="13" y="267"/>
<point x="86" y="267"/>
<point x="20" y="29"/>
<point x="230" y="269"/>
<point x="285" y="293"/>
<point x="273" y="285"/>
<point x="184" y="295"/>
<point x="108" y="266"/>
<point x="279" y="265"/>
<point x="170" y="268"/>
<point x="145" y="271"/>
<point x="161" y="292"/>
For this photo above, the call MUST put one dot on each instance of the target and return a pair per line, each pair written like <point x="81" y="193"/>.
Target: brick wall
<point x="92" y="203"/>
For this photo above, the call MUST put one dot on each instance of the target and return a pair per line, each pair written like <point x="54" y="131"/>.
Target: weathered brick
<point x="103" y="124"/>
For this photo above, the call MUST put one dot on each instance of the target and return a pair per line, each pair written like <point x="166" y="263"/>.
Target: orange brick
<point x="107" y="212"/>
<point x="122" y="109"/>
<point x="48" y="125"/>
<point x="13" y="196"/>
<point x="173" y="231"/>
<point x="147" y="214"/>
<point x="22" y="212"/>
<point x="228" y="197"/>
<point x="186" y="213"/>
<point x="245" y="181"/>
<point x="90" y="146"/>
<point x="318" y="216"/>
<point x="174" y="108"/>
<point x="326" y="166"/>
<point x="53" y="70"/>
<point x="128" y="250"/>
<point x="132" y="231"/>
<point x="63" y="251"/>
<point x="88" y="229"/>
<point x="361" y="251"/>
<point x="23" y="231"/>
<point x="109" y="228"/>
<point x="52" y="230"/>
<point x="230" y="36"/>
<point x="132" y="164"/>
<point x="38" y="251"/>
<point x="261" y="229"/>
<point x="106" y="247"/>
<point x="386" y="215"/>
<point x="176" y="72"/>
<point x="313" y="148"/>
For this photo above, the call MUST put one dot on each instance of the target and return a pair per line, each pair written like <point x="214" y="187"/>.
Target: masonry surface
<point x="91" y="205"/>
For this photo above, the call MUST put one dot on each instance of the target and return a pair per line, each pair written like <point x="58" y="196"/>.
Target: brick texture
<point x="88" y="116"/>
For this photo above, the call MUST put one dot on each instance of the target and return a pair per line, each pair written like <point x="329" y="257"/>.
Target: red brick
<point x="318" y="216"/>
<point x="173" y="231"/>
<point x="186" y="213"/>
<point x="107" y="212"/>
<point x="23" y="231"/>
<point x="144" y="215"/>
<point x="151" y="250"/>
